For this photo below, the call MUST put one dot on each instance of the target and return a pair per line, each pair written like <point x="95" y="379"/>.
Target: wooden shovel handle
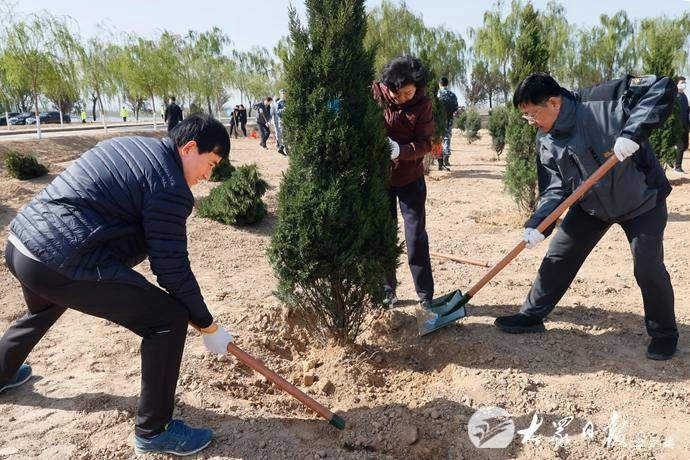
<point x="283" y="384"/>
<point x="550" y="219"/>
<point x="479" y="263"/>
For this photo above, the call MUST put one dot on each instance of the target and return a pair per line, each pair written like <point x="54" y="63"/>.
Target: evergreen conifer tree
<point x="335" y="236"/>
<point x="531" y="55"/>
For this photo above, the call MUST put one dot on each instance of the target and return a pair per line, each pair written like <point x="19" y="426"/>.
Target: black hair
<point x="444" y="81"/>
<point x="210" y="134"/>
<point x="402" y="71"/>
<point x="172" y="98"/>
<point x="679" y="78"/>
<point x="535" y="89"/>
<point x="268" y="98"/>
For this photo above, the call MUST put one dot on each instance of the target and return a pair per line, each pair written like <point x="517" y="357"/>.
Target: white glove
<point x="624" y="147"/>
<point x="217" y="342"/>
<point x="532" y="237"/>
<point x="395" y="149"/>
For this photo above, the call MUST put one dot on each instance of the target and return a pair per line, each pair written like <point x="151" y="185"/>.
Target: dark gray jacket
<point x="120" y="202"/>
<point x="574" y="149"/>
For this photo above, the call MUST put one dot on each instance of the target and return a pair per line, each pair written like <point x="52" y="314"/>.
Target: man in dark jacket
<point x="242" y="117"/>
<point x="450" y="103"/>
<point x="574" y="137"/>
<point x="263" y="118"/>
<point x="74" y="246"/>
<point x="684" y="116"/>
<point x="410" y="126"/>
<point x="173" y="114"/>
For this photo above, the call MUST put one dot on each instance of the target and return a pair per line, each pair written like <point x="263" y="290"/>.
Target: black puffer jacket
<point x="120" y="202"/>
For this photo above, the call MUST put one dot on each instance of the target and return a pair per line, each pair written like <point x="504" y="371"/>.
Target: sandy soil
<point x="402" y="396"/>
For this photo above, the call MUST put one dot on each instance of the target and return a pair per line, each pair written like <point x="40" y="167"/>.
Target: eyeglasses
<point x="533" y="116"/>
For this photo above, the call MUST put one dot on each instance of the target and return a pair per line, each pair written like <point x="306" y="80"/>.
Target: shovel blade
<point x="429" y="321"/>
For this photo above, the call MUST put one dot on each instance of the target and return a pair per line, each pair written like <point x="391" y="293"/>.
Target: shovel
<point x="462" y="260"/>
<point x="437" y="317"/>
<point x="334" y="419"/>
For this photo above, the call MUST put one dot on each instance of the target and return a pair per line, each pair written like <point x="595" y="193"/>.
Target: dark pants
<point x="412" y="198"/>
<point x="681" y="148"/>
<point x="244" y="128"/>
<point x="265" y="132"/>
<point x="576" y="238"/>
<point x="233" y="129"/>
<point x="146" y="310"/>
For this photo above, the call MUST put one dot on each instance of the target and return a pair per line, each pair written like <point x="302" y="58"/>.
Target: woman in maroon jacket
<point x="410" y="126"/>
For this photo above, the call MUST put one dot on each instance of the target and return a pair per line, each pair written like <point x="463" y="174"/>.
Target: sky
<point x="264" y="22"/>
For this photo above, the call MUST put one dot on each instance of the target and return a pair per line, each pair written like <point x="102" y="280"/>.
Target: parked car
<point x="20" y="119"/>
<point x="3" y="120"/>
<point x="49" y="117"/>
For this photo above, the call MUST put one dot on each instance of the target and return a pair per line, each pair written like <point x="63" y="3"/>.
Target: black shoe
<point x="662" y="348"/>
<point x="519" y="324"/>
<point x="281" y="150"/>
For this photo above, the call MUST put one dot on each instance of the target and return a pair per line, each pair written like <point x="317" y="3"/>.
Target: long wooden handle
<point x="284" y="385"/>
<point x="479" y="263"/>
<point x="550" y="219"/>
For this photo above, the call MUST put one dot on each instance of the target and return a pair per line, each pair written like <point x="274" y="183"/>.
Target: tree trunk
<point x="100" y="105"/>
<point x="38" y="118"/>
<point x="94" y="99"/>
<point x="153" y="105"/>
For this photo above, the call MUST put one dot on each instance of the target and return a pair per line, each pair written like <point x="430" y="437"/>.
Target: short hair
<point x="209" y="134"/>
<point x="536" y="88"/>
<point x="444" y="81"/>
<point x="268" y="98"/>
<point x="402" y="71"/>
<point x="679" y="78"/>
<point x="172" y="98"/>
<point x="282" y="91"/>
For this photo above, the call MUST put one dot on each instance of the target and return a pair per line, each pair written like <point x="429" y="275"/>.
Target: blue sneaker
<point x="22" y="375"/>
<point x="176" y="439"/>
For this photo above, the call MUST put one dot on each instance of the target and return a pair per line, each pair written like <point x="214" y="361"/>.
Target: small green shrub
<point x="237" y="201"/>
<point x="473" y="123"/>
<point x="222" y="171"/>
<point x="461" y="120"/>
<point x="498" y="125"/>
<point x="24" y="167"/>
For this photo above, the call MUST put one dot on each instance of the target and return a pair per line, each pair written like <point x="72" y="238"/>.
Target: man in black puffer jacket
<point x="74" y="246"/>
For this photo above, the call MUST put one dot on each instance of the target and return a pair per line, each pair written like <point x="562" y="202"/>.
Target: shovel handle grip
<point x="550" y="219"/>
<point x="284" y="385"/>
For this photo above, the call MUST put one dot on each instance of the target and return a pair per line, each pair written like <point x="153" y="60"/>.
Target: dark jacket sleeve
<point x="654" y="100"/>
<point x="551" y="193"/>
<point x="165" y="228"/>
<point x="423" y="132"/>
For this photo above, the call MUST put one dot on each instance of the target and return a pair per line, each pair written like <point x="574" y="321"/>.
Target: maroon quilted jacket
<point x="412" y="126"/>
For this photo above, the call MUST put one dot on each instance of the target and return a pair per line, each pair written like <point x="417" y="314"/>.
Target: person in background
<point x="173" y="114"/>
<point x="278" y="121"/>
<point x="684" y="116"/>
<point x="450" y="103"/>
<point x="263" y="118"/>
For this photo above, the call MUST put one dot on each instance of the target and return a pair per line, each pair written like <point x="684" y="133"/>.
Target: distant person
<point x="242" y="117"/>
<point x="235" y="121"/>
<point x="124" y="113"/>
<point x="74" y="246"/>
<point x="278" y="121"/>
<point x="263" y="118"/>
<point x="684" y="123"/>
<point x="450" y="103"/>
<point x="173" y="114"/>
<point x="163" y="111"/>
<point x="83" y="115"/>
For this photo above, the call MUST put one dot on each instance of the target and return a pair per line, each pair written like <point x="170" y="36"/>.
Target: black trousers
<point x="146" y="310"/>
<point x="265" y="133"/>
<point x="576" y="238"/>
<point x="412" y="199"/>
<point x="681" y="149"/>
